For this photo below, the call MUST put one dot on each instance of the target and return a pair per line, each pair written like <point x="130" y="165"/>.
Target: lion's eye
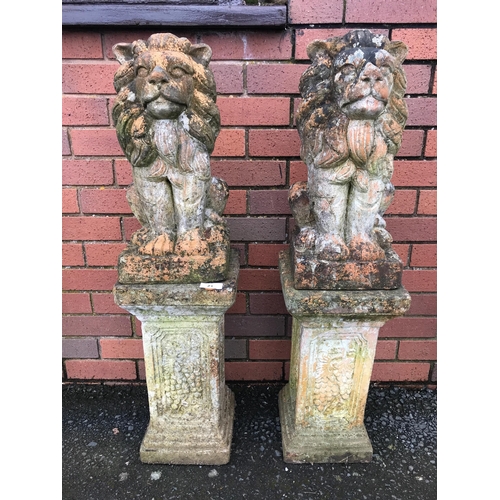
<point x="142" y="71"/>
<point x="348" y="70"/>
<point x="177" y="72"/>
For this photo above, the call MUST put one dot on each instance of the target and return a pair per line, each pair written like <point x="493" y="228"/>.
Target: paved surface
<point x="103" y="427"/>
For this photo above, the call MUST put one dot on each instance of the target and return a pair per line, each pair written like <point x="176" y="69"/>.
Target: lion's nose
<point x="158" y="76"/>
<point x="370" y="74"/>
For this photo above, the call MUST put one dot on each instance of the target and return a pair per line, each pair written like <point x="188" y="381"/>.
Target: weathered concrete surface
<point x="103" y="425"/>
<point x="334" y="338"/>
<point x="191" y="409"/>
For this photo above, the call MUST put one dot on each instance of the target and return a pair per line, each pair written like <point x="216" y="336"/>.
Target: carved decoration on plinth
<point x="350" y="122"/>
<point x="167" y="122"/>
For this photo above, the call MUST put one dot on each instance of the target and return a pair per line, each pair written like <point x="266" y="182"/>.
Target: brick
<point x="403" y="251"/>
<point x="391" y="11"/>
<point x="89" y="279"/>
<point x="96" y="326"/>
<point x="269" y="349"/>
<point x="274" y="78"/>
<point x="239" y="306"/>
<point x="254" y="111"/>
<point x="81" y="45"/>
<point x="431" y="143"/>
<point x="76" y="303"/>
<point x="72" y="254"/>
<point x="412" y="143"/>
<point x="427" y="203"/>
<point x="141" y="369"/>
<point x="87" y="172"/>
<point x="91" y="228"/>
<point x="423" y="305"/>
<point x="84" y="111"/>
<point x="421" y="42"/>
<point x="434" y="373"/>
<point x="79" y="348"/>
<point x="274" y="142"/>
<point x="298" y="172"/>
<point x="89" y="78"/>
<point x="122" y="348"/>
<point x="104" y="303"/>
<point x="259" y="279"/>
<point x="95" y="142"/>
<point x="418" y="78"/>
<point x="69" y="201"/>
<point x="66" y="148"/>
<point x="404" y="202"/>
<point x="422" y="111"/>
<point x="130" y="226"/>
<point x="409" y="327"/>
<point x="257" y="229"/>
<point x="230" y="142"/>
<point x="267" y="303"/>
<point x="123" y="172"/>
<point x="417" y="350"/>
<point x="287" y="370"/>
<point x="250" y="173"/>
<point x="252" y="326"/>
<point x="434" y="84"/>
<point x="235" y="349"/>
<point x="228" y="77"/>
<point x="386" y="349"/>
<point x="100" y="369"/>
<point x="241" y="249"/>
<point x="237" y="202"/>
<point x="420" y="280"/>
<point x="246" y="45"/>
<point x="253" y="371"/>
<point x="412" y="228"/>
<point x="104" y="201"/>
<point x="265" y="254"/>
<point x="400" y="372"/>
<point x="314" y="12"/>
<point x="269" y="202"/>
<point x="415" y="173"/>
<point x="103" y="254"/>
<point x="424" y="256"/>
<point x="303" y="37"/>
<point x="125" y="36"/>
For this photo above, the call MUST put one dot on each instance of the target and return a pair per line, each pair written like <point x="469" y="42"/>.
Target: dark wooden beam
<point x="172" y="15"/>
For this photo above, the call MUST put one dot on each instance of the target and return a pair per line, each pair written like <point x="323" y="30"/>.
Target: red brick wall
<point x="257" y="153"/>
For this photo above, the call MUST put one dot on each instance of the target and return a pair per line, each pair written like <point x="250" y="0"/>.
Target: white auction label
<point x="211" y="286"/>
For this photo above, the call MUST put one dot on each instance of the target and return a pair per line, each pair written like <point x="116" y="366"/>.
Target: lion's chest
<point x="365" y="142"/>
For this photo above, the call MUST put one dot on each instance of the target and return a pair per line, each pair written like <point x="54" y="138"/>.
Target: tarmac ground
<point x="103" y="426"/>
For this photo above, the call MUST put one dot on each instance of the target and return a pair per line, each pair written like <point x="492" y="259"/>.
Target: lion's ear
<point x="316" y="49"/>
<point x="124" y="52"/>
<point x="397" y="49"/>
<point x="201" y="53"/>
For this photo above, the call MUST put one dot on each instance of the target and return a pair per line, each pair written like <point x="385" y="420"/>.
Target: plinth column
<point x="334" y="337"/>
<point x="191" y="409"/>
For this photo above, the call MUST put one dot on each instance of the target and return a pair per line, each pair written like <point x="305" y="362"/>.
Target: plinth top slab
<point x="153" y="295"/>
<point x="386" y="303"/>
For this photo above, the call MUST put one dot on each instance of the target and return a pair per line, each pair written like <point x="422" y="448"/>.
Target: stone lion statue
<point x="350" y="122"/>
<point x="167" y="123"/>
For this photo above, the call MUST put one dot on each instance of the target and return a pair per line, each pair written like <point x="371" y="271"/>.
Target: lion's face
<point x="364" y="80"/>
<point x="164" y="83"/>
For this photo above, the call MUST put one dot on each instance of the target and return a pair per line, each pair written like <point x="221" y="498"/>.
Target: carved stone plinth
<point x="191" y="408"/>
<point x="334" y="337"/>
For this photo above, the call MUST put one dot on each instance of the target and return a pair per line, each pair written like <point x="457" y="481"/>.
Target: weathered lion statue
<point x="167" y="121"/>
<point x="350" y="122"/>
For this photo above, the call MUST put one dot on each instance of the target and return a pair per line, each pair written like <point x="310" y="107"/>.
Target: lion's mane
<point x="319" y="118"/>
<point x="133" y="124"/>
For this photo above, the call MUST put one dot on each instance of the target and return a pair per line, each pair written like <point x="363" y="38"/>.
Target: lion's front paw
<point x="161" y="245"/>
<point x="363" y="248"/>
<point x="331" y="247"/>
<point x="191" y="243"/>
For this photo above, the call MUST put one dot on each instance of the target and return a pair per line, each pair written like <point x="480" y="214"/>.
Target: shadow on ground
<point x="103" y="426"/>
